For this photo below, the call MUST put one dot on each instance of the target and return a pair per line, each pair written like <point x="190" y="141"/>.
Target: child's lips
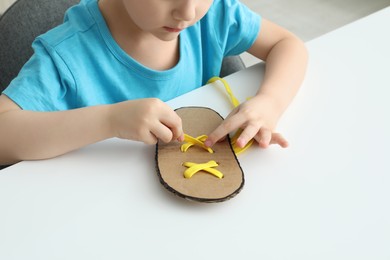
<point x="171" y="29"/>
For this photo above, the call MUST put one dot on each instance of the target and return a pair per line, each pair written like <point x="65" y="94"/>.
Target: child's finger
<point x="247" y="134"/>
<point x="279" y="139"/>
<point x="227" y="126"/>
<point x="264" y="137"/>
<point x="177" y="133"/>
<point x="172" y="121"/>
<point x="148" y="138"/>
<point x="162" y="133"/>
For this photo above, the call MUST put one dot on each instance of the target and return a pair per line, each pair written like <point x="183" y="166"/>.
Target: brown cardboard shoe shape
<point x="202" y="186"/>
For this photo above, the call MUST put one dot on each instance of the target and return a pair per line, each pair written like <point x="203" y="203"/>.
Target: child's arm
<point x="286" y="59"/>
<point x="27" y="135"/>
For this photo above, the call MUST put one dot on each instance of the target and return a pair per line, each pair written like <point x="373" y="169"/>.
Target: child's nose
<point x="186" y="11"/>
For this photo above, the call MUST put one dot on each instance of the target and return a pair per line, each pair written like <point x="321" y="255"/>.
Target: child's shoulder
<point x="77" y="19"/>
<point x="226" y="8"/>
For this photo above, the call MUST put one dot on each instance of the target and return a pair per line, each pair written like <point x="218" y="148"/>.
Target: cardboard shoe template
<point x="203" y="185"/>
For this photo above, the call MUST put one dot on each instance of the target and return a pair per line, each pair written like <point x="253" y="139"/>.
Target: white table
<point x="325" y="197"/>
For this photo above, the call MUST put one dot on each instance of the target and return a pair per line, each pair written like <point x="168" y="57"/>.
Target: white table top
<point x="325" y="197"/>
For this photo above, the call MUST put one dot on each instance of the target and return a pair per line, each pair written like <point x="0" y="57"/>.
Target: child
<point x="108" y="69"/>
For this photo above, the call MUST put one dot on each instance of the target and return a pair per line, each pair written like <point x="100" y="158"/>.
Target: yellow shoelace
<point x="237" y="150"/>
<point x="199" y="141"/>
<point x="197" y="167"/>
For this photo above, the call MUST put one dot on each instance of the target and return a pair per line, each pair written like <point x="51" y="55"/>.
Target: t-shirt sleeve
<point x="44" y="83"/>
<point x="236" y="26"/>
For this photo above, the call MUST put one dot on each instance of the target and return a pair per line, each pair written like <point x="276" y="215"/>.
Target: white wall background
<point x="4" y="5"/>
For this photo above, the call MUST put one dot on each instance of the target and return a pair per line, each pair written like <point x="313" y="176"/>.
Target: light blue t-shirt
<point x="79" y="64"/>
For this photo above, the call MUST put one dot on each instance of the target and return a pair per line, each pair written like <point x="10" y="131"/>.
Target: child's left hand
<point x="257" y="117"/>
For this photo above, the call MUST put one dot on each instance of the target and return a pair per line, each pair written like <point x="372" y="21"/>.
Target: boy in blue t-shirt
<point x="107" y="70"/>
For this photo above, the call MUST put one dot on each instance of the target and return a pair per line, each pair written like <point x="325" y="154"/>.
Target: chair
<point x="26" y="19"/>
<point x="19" y="25"/>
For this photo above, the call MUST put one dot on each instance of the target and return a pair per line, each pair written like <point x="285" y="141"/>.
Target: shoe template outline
<point x="202" y="186"/>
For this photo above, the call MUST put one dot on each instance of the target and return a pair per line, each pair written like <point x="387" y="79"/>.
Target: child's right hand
<point x="146" y="120"/>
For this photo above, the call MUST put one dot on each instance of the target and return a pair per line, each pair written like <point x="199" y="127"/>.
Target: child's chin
<point x="167" y="36"/>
